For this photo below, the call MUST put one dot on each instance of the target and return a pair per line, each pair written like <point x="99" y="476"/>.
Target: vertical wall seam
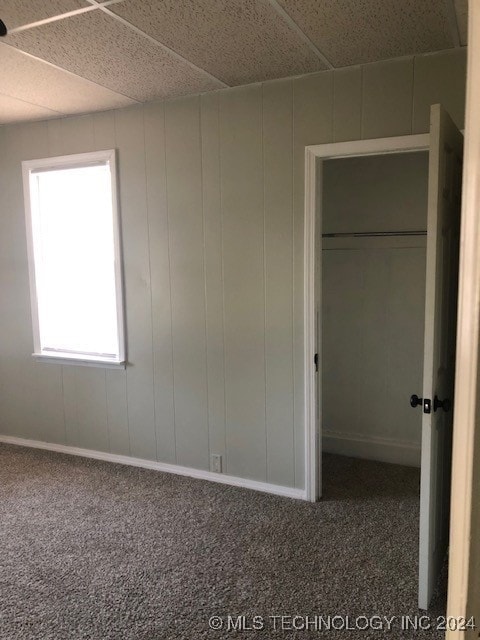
<point x="414" y="64"/>
<point x="332" y="112"/>
<point x="334" y="93"/>
<point x="294" y="379"/>
<point x="76" y="423"/>
<point x="49" y="145"/>
<point x="109" y="440"/>
<point x="107" y="422"/>
<point x="106" y="414"/>
<point x="63" y="404"/>
<point x="149" y="245"/>
<point x="388" y="316"/>
<point x="202" y="187"/>
<point x="264" y="280"/>
<point x="125" y="311"/>
<point x="219" y="106"/>
<point x="362" y="100"/>
<point x="169" y="277"/>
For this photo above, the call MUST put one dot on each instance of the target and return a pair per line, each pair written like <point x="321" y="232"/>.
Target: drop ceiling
<point x="74" y="56"/>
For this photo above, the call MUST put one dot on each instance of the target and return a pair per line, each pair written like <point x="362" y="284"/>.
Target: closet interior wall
<point x="374" y="217"/>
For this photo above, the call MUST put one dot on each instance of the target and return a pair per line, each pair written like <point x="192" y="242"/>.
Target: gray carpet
<point x="102" y="551"/>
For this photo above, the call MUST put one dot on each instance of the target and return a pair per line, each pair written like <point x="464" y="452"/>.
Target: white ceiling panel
<point x="37" y="82"/>
<point x="112" y="53"/>
<point x="16" y="13"/>
<point x="101" y="49"/>
<point x="239" y="42"/>
<point x="355" y="31"/>
<point x="13" y="110"/>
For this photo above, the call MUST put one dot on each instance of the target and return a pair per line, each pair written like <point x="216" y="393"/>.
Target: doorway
<point x="374" y="227"/>
<point x="315" y="157"/>
<point x="444" y="146"/>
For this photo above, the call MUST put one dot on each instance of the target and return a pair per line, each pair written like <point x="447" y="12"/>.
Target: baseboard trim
<point x="371" y="448"/>
<point x="233" y="481"/>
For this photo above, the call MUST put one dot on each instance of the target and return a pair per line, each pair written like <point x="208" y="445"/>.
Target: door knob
<point x="415" y="401"/>
<point x="446" y="404"/>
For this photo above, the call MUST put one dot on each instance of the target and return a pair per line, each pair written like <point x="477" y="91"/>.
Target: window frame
<point x="72" y="161"/>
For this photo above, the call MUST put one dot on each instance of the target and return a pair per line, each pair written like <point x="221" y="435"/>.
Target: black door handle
<point x="446" y="404"/>
<point x="415" y="401"/>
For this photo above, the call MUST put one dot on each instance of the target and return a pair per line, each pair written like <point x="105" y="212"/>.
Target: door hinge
<point x="315" y="361"/>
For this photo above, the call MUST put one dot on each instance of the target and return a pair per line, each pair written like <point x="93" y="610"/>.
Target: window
<point x="74" y="258"/>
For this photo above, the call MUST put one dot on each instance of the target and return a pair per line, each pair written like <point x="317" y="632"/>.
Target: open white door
<point x="443" y="227"/>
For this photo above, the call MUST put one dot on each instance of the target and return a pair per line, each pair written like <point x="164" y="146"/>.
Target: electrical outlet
<point x="216" y="463"/>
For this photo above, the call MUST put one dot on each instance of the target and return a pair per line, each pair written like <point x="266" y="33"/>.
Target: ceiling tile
<point x="13" y="110"/>
<point x="16" y="13"/>
<point x="238" y="42"/>
<point x="354" y="31"/>
<point x="461" y="8"/>
<point x="101" y="49"/>
<point x="39" y="83"/>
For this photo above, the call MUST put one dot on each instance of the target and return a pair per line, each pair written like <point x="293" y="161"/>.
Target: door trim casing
<point x="313" y="155"/>
<point x="463" y="575"/>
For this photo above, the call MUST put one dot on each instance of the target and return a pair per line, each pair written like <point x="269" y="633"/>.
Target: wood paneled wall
<point x="211" y="191"/>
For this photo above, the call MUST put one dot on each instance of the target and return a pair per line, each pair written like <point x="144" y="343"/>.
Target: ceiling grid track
<point x="174" y="54"/>
<point x="302" y="35"/>
<point x="63" y="70"/>
<point x="60" y="16"/>
<point x="303" y="31"/>
<point x="33" y="104"/>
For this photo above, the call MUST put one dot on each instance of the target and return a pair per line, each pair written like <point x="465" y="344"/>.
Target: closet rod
<point x="370" y="234"/>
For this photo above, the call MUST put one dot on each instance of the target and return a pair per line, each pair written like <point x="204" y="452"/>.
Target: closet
<point x="374" y="221"/>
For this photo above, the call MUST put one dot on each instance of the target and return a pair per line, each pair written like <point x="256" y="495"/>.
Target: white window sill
<point x="82" y="361"/>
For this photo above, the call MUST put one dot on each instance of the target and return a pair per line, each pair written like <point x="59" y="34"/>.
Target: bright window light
<point x="74" y="258"/>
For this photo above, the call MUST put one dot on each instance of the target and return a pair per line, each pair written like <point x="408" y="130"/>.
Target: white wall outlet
<point x="216" y="463"/>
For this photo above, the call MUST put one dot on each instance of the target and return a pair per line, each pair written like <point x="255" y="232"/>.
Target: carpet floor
<point x="108" y="552"/>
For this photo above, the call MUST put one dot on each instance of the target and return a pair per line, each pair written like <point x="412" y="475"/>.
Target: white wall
<point x="373" y="299"/>
<point x="375" y="193"/>
<point x="212" y="218"/>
